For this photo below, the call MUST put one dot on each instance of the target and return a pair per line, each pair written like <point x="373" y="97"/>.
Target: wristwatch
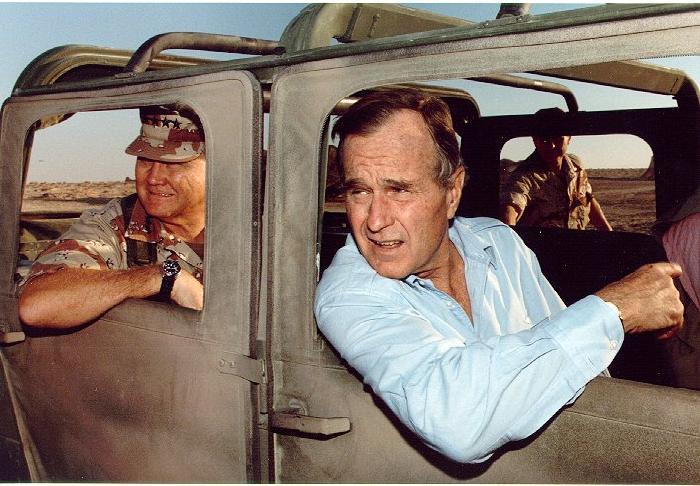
<point x="169" y="270"/>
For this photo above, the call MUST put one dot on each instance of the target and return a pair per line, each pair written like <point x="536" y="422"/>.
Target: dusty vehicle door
<point x="342" y="432"/>
<point x="150" y="392"/>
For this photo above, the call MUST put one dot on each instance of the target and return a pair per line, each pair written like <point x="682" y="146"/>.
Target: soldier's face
<point x="397" y="210"/>
<point x="172" y="192"/>
<point x="552" y="148"/>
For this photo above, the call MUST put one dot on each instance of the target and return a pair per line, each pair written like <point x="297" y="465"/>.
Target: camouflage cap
<point x="167" y="135"/>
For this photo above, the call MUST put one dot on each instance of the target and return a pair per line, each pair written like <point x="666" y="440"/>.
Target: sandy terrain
<point x="72" y="196"/>
<point x="627" y="200"/>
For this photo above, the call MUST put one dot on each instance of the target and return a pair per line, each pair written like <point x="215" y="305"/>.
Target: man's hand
<point x="597" y="217"/>
<point x="647" y="298"/>
<point x="188" y="292"/>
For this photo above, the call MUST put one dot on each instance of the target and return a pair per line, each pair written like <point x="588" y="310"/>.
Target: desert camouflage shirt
<point x="547" y="198"/>
<point x="98" y="241"/>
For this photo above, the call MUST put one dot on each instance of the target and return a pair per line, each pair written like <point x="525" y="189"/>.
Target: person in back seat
<point x="149" y="244"/>
<point x="550" y="188"/>
<point x="680" y="235"/>
<point x="453" y="324"/>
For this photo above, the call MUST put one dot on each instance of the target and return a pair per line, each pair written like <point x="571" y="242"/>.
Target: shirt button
<point x="613" y="344"/>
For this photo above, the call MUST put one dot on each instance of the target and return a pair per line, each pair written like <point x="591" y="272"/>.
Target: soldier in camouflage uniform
<point x="109" y="256"/>
<point x="550" y="188"/>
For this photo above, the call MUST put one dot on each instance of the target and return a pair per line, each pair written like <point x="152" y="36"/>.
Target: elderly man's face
<point x="398" y="212"/>
<point x="172" y="192"/>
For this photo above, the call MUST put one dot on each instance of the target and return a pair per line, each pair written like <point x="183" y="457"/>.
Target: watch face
<point x="170" y="268"/>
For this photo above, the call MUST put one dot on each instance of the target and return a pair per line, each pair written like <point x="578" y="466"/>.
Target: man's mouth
<point x="161" y="194"/>
<point x="388" y="244"/>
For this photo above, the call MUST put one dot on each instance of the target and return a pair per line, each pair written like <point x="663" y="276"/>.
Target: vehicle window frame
<point x="585" y="160"/>
<point x="347" y="75"/>
<point x="222" y="125"/>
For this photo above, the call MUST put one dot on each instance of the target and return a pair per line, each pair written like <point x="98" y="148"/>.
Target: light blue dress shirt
<point x="467" y="388"/>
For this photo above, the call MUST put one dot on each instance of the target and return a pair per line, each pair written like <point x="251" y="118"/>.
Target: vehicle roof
<point x="103" y="67"/>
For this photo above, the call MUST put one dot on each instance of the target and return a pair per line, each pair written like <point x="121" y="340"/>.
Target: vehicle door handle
<point x="326" y="426"/>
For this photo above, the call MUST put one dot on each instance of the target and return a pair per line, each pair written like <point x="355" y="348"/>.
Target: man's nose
<point x="380" y="213"/>
<point x="156" y="173"/>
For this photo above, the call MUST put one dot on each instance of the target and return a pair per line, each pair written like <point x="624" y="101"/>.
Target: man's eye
<point x="399" y="190"/>
<point x="357" y="195"/>
<point x="357" y="191"/>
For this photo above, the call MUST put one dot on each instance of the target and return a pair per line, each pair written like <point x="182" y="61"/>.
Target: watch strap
<point x="170" y="269"/>
<point x="166" y="288"/>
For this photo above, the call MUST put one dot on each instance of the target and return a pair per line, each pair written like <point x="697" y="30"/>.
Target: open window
<point x="74" y="165"/>
<point x="307" y="370"/>
<point x="632" y="144"/>
<point x="619" y="169"/>
<point x="80" y="182"/>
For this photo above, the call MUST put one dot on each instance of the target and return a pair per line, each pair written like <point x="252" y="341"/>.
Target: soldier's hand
<point x="188" y="292"/>
<point x="647" y="298"/>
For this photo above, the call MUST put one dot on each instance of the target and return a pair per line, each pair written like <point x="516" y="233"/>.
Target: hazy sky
<point x="32" y="28"/>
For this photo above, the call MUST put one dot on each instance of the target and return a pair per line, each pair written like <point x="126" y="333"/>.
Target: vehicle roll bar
<point x="234" y="44"/>
<point x="533" y="84"/>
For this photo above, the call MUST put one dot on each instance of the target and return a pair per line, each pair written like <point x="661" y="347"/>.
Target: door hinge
<point x="250" y="369"/>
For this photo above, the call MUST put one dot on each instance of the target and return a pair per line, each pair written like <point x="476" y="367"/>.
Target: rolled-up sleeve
<point x="517" y="192"/>
<point x="90" y="243"/>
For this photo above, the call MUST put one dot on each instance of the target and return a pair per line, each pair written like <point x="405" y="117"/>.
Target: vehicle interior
<point x="595" y="258"/>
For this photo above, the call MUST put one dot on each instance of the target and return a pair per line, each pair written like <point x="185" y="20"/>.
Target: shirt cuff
<point x="590" y="332"/>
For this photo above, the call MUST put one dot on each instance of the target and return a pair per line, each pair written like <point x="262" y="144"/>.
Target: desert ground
<point x="72" y="196"/>
<point x="626" y="198"/>
<point x="628" y="201"/>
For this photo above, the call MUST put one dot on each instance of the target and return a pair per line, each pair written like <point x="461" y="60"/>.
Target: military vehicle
<point x="248" y="390"/>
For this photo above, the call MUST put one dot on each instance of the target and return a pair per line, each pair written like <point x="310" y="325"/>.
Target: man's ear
<point x="454" y="192"/>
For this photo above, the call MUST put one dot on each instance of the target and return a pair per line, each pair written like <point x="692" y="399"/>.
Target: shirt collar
<point x="469" y="245"/>
<point x="143" y="227"/>
<point x="464" y="233"/>
<point x="568" y="164"/>
<point x="571" y="166"/>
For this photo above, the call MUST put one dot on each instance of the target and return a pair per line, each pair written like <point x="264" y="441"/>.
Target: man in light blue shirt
<point x="456" y="328"/>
